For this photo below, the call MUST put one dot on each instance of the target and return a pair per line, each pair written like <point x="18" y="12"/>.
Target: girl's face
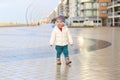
<point x="59" y="23"/>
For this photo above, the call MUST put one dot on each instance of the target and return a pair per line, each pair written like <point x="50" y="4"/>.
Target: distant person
<point x="53" y="25"/>
<point x="61" y="37"/>
<point x="53" y="22"/>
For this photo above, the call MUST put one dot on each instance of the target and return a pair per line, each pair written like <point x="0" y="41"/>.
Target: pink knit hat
<point x="62" y="18"/>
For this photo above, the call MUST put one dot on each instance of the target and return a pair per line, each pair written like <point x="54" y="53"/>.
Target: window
<point x="104" y="12"/>
<point x="103" y="4"/>
<point x="94" y="13"/>
<point x="95" y="5"/>
<point x="81" y="6"/>
<point x="88" y="6"/>
<point x="88" y="13"/>
<point x="81" y="14"/>
<point x="117" y="8"/>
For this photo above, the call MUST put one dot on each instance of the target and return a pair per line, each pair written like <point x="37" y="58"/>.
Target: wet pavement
<point x="25" y="54"/>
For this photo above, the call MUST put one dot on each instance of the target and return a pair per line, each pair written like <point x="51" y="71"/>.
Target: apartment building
<point x="73" y="8"/>
<point x="114" y="13"/>
<point x="94" y="9"/>
<point x="97" y="10"/>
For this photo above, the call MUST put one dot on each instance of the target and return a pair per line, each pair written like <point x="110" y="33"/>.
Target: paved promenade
<point x="25" y="54"/>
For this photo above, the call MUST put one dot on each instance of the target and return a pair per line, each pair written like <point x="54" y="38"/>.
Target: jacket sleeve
<point x="52" y="39"/>
<point x="69" y="38"/>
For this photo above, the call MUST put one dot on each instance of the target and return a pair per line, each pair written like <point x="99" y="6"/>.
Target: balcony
<point x="116" y="2"/>
<point x="109" y="14"/>
<point x="104" y="1"/>
<point x="84" y="1"/>
<point x="103" y="15"/>
<point x="95" y="8"/>
<point x="103" y="8"/>
<point x="113" y="3"/>
<point x="81" y="8"/>
<point x="84" y="8"/>
<point x="110" y="4"/>
<point x="115" y="14"/>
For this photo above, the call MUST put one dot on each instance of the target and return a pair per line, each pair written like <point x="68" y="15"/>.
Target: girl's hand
<point x="71" y="44"/>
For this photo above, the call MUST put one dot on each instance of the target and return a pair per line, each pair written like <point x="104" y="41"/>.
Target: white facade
<point x="66" y="8"/>
<point x="73" y="8"/>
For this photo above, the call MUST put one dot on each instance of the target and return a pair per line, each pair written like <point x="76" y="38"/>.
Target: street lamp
<point x="26" y="14"/>
<point x="113" y="10"/>
<point x="97" y="12"/>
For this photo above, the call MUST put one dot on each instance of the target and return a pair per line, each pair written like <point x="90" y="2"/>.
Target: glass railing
<point x="94" y="7"/>
<point x="115" y="14"/>
<point x="115" y="2"/>
<point x="110" y="4"/>
<point x="109" y="14"/>
<point x="82" y="1"/>
<point x="81" y="8"/>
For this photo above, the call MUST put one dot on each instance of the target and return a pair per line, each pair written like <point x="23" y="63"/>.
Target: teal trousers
<point x="62" y="49"/>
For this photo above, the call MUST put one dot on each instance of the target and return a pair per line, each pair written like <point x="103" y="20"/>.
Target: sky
<point x="18" y="11"/>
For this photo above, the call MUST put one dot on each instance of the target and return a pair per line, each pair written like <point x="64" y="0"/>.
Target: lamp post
<point x="97" y="12"/>
<point x="113" y="13"/>
<point x="26" y="14"/>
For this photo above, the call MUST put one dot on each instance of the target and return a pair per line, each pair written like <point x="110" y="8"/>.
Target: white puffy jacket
<point x="61" y="38"/>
